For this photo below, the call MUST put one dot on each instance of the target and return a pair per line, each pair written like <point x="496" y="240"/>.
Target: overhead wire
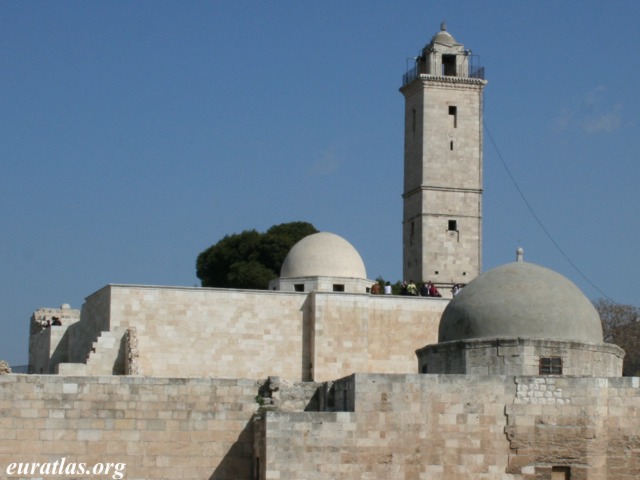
<point x="537" y="218"/>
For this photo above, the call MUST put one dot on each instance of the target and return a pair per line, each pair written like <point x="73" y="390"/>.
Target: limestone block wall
<point x="370" y="333"/>
<point x="433" y="427"/>
<point x="403" y="426"/>
<point x="520" y="356"/>
<point x="460" y="427"/>
<point x="49" y="346"/>
<point x="590" y="425"/>
<point x="214" y="332"/>
<point x="161" y="428"/>
<point x="223" y="333"/>
<point x="95" y="318"/>
<point x="443" y="169"/>
<point x="321" y="284"/>
<point x="40" y="350"/>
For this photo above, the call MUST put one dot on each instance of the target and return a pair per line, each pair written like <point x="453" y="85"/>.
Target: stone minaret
<point x="442" y="218"/>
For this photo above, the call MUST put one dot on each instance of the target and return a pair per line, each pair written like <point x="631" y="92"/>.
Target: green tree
<point x="621" y="326"/>
<point x="249" y="259"/>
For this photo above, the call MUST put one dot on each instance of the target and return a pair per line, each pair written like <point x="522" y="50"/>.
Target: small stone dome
<point x="523" y="300"/>
<point x="323" y="254"/>
<point x="443" y="37"/>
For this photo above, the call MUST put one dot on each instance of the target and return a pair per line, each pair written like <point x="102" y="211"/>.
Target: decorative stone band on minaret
<point x="466" y="81"/>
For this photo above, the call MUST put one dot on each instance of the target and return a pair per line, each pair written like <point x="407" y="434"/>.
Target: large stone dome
<point x="323" y="254"/>
<point x="523" y="300"/>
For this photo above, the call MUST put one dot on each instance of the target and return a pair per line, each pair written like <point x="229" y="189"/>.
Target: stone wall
<point x="591" y="425"/>
<point x="95" y="318"/>
<point x="371" y="333"/>
<point x="435" y="427"/>
<point x="162" y="428"/>
<point x="48" y="346"/>
<point x="442" y="180"/>
<point x="460" y="427"/>
<point x="519" y="356"/>
<point x="401" y="426"/>
<point x="191" y="332"/>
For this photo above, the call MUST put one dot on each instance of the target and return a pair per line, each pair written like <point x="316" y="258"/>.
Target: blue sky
<point x="133" y="135"/>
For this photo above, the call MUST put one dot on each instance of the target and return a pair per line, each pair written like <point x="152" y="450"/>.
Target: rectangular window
<point x="338" y="287"/>
<point x="299" y="287"/>
<point x="412" y="233"/>
<point x="550" y="366"/>
<point x="453" y="112"/>
<point x="449" y="65"/>
<point x="453" y="225"/>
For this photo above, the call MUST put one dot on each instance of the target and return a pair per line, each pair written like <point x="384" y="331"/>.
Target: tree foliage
<point x="621" y="325"/>
<point x="249" y="259"/>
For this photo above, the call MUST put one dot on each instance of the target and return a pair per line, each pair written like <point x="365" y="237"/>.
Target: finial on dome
<point x="443" y="26"/>
<point x="519" y="254"/>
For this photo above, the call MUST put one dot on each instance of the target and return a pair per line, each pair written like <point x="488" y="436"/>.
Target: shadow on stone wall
<point x="307" y="339"/>
<point x="61" y="353"/>
<point x="240" y="461"/>
<point x="118" y="364"/>
<point x="237" y="463"/>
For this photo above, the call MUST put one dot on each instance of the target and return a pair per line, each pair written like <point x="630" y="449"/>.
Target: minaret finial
<point x="443" y="26"/>
<point x="519" y="255"/>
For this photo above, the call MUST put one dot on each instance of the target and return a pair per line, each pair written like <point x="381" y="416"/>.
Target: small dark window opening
<point x="560" y="473"/>
<point x="453" y="111"/>
<point x="550" y="366"/>
<point x="412" y="233"/>
<point x="451" y="145"/>
<point x="449" y="65"/>
<point x="453" y="225"/>
<point x="299" y="287"/>
<point x="257" y="472"/>
<point x="424" y="368"/>
<point x="338" y="287"/>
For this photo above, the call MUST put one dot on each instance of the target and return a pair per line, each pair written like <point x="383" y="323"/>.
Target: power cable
<point x="535" y="216"/>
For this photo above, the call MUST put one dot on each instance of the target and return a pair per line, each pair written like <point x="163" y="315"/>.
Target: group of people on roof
<point x="427" y="289"/>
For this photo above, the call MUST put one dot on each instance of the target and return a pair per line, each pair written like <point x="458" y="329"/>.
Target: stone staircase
<point x="106" y="357"/>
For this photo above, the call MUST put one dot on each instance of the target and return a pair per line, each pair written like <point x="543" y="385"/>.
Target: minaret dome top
<point x="443" y="37"/>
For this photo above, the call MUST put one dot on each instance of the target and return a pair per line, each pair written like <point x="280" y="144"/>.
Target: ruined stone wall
<point x="162" y="428"/>
<point x="371" y="333"/>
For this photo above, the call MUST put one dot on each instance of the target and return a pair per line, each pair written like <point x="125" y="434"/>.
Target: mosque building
<point x="316" y="378"/>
